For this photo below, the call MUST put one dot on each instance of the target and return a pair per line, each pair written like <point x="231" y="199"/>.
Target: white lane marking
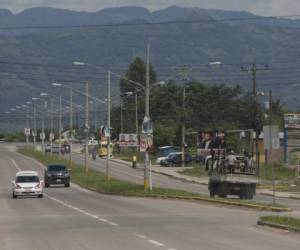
<point x="172" y="249"/>
<point x="113" y="224"/>
<point x="154" y="242"/>
<point x="15" y="164"/>
<point x="141" y="236"/>
<point x="103" y="220"/>
<point x="82" y="211"/>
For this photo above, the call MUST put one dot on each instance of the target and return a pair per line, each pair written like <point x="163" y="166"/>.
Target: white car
<point x="27" y="183"/>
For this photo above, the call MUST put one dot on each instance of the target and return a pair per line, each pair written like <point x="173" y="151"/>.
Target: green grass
<point x="281" y="173"/>
<point x="96" y="181"/>
<point x="196" y="171"/>
<point x="290" y="222"/>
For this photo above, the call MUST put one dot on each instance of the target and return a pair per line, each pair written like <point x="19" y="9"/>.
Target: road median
<point x="96" y="181"/>
<point x="281" y="222"/>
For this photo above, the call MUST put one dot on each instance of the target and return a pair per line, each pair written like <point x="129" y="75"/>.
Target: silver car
<point x="27" y="183"/>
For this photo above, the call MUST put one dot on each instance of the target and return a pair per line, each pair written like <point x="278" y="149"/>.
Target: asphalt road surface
<point x="123" y="172"/>
<point x="73" y="218"/>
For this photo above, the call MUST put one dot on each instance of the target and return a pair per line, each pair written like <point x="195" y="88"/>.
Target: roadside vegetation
<point x="291" y="223"/>
<point x="96" y="181"/>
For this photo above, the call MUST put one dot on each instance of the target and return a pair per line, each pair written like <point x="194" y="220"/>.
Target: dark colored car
<point x="48" y="148"/>
<point x="176" y="160"/>
<point x="57" y="174"/>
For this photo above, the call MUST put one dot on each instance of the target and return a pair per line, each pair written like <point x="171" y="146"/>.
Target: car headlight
<point x="49" y="175"/>
<point x="67" y="174"/>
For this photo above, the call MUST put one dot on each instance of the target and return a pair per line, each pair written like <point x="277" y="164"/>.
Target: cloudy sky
<point x="261" y="7"/>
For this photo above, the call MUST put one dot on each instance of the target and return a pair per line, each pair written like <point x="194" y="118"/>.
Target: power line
<point x="145" y="23"/>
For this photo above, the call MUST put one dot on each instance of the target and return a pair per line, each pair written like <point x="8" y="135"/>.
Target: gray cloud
<point x="261" y="7"/>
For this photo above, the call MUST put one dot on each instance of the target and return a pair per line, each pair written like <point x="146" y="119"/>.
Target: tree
<point x="136" y="72"/>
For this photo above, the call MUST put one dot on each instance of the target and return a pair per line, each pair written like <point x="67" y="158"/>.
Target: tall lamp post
<point x="55" y="84"/>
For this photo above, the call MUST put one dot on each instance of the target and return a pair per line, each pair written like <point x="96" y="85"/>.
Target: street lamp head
<point x="12" y="109"/>
<point x="56" y="84"/>
<point x="7" y="112"/>
<point x="43" y="94"/>
<point x="215" y="63"/>
<point x="18" y="107"/>
<point x="35" y="98"/>
<point x="28" y="103"/>
<point x="24" y="106"/>
<point x="79" y="63"/>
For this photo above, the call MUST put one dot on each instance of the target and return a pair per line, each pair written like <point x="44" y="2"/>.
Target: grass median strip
<point x="96" y="181"/>
<point x="281" y="222"/>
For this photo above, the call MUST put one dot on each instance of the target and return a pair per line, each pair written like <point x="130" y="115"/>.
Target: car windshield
<point x="56" y="168"/>
<point x="27" y="178"/>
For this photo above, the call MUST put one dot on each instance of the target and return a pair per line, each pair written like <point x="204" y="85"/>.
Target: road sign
<point x="271" y="139"/>
<point x="27" y="131"/>
<point x="147" y="126"/>
<point x="42" y="136"/>
<point x="51" y="137"/>
<point x="275" y="143"/>
<point x="146" y="142"/>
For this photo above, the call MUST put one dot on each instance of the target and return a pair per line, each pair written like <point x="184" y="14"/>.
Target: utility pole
<point x="108" y="127"/>
<point x="254" y="70"/>
<point x="34" y="125"/>
<point x="183" y="128"/>
<point x="255" y="115"/>
<point x="136" y="120"/>
<point x="147" y="116"/>
<point x="71" y="125"/>
<point x="51" y="125"/>
<point x="122" y="125"/>
<point x="43" y="126"/>
<point x="27" y="125"/>
<point x="271" y="146"/>
<point x="86" y="127"/>
<point x="59" y="128"/>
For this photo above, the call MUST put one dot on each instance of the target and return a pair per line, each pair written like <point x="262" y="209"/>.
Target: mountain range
<point x="39" y="45"/>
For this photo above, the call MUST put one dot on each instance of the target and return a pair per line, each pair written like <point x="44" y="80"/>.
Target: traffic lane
<point x="185" y="225"/>
<point x="32" y="223"/>
<point x="123" y="172"/>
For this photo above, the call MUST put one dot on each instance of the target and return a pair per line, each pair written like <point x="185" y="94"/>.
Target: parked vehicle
<point x="55" y="149"/>
<point x="48" y="148"/>
<point x="165" y="151"/>
<point x="57" y="174"/>
<point x="27" y="183"/>
<point x="175" y="159"/>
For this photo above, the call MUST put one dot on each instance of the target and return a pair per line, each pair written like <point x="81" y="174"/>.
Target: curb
<point x="278" y="226"/>
<point x="289" y="197"/>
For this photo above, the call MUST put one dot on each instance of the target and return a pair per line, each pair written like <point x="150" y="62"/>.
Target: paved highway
<point x="123" y="172"/>
<point x="73" y="218"/>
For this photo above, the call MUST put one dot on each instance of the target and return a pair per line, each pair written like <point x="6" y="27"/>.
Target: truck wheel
<point x="222" y="195"/>
<point x="67" y="185"/>
<point x="14" y="196"/>
<point x="47" y="185"/>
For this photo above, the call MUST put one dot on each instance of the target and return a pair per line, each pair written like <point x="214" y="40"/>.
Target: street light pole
<point x="71" y="124"/>
<point x="108" y="127"/>
<point x="43" y="126"/>
<point x="183" y="129"/>
<point x="136" y="120"/>
<point x="86" y="128"/>
<point x="147" y="116"/>
<point x="59" y="128"/>
<point x="34" y="125"/>
<point x="51" y="126"/>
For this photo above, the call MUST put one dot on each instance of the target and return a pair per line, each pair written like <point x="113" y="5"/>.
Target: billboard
<point x="207" y="141"/>
<point x="128" y="140"/>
